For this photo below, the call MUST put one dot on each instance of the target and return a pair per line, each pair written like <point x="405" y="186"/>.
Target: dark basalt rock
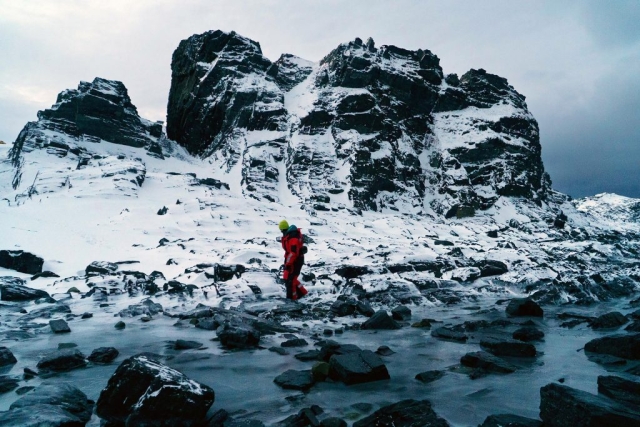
<point x="429" y="376"/>
<point x="330" y="348"/>
<point x="13" y="289"/>
<point x="404" y="413"/>
<point x="59" y="326"/>
<point x="352" y="271"/>
<point x="145" y="392"/>
<point x="528" y="333"/>
<point x="23" y="262"/>
<point x="401" y="313"/>
<point x="524" y="307"/>
<point x="611" y="320"/>
<point x="506" y="347"/>
<point x="380" y="320"/>
<point x="449" y="334"/>
<point x="620" y="389"/>
<point x="562" y="406"/>
<point x="492" y="268"/>
<point x="62" y="360"/>
<point x="509" y="420"/>
<point x="49" y="405"/>
<point x="103" y="355"/>
<point x="45" y="274"/>
<point x="101" y="267"/>
<point x="145" y="307"/>
<point x="487" y="362"/>
<point x="365" y="308"/>
<point x="186" y="345"/>
<point x="624" y="346"/>
<point x="8" y="384"/>
<point x="238" y="336"/>
<point x="343" y="308"/>
<point x="355" y="368"/>
<point x="6" y="357"/>
<point x="308" y="355"/>
<point x="295" y="342"/>
<point x="295" y="380"/>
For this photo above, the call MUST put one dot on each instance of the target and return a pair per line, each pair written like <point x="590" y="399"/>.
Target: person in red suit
<point x="294" y="250"/>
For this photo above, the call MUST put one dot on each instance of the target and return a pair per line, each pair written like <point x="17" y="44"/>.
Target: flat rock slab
<point x="62" y="360"/>
<point x="528" y="333"/>
<point x="8" y="384"/>
<point x="103" y="355"/>
<point x="620" y="389"/>
<point x="429" y="376"/>
<point x="355" y="368"/>
<point x="487" y="362"/>
<point x="330" y="348"/>
<point x="295" y="342"/>
<point x="295" y="380"/>
<point x="509" y="420"/>
<point x="238" y="336"/>
<point x="59" y="326"/>
<point x="308" y="356"/>
<point x="446" y="333"/>
<point x="380" y="321"/>
<point x="507" y="347"/>
<point x="625" y="346"/>
<point x="612" y="320"/>
<point x="562" y="406"/>
<point x="13" y="289"/>
<point x="186" y="345"/>
<point x="406" y="413"/>
<point x="524" y="307"/>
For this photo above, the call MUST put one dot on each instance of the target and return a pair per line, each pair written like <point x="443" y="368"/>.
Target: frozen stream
<point x="243" y="380"/>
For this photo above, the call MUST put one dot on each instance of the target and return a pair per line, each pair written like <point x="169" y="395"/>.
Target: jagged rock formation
<point x="369" y="127"/>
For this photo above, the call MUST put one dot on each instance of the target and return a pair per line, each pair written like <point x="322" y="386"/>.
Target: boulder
<point x="508" y="347"/>
<point x="295" y="380"/>
<point x="320" y="371"/>
<point x="492" y="267"/>
<point x="62" y="360"/>
<point x="562" y="406"/>
<point x="120" y="325"/>
<point x="509" y="420"/>
<point x="49" y="405"/>
<point x="429" y="376"/>
<point x="487" y="362"/>
<point x="59" y="326"/>
<point x="355" y="368"/>
<point x="528" y="333"/>
<point x="186" y="345"/>
<point x="384" y="350"/>
<point x="208" y="323"/>
<point x="352" y="271"/>
<point x="13" y="289"/>
<point x="45" y="274"/>
<point x="6" y="357"/>
<point x="103" y="355"/>
<point x="524" y="307"/>
<point x="308" y="355"/>
<point x="381" y="320"/>
<point x="101" y="267"/>
<point x="8" y="384"/>
<point x="620" y="389"/>
<point x="23" y="262"/>
<point x="343" y="308"/>
<point x="446" y="333"/>
<point x="624" y="346"/>
<point x="145" y="392"/>
<point x="423" y="324"/>
<point x="146" y="307"/>
<point x="612" y="320"/>
<point x="333" y="422"/>
<point x="365" y="308"/>
<point x="401" y="313"/>
<point x="238" y="336"/>
<point x="406" y="413"/>
<point x="330" y="348"/>
<point x="294" y="342"/>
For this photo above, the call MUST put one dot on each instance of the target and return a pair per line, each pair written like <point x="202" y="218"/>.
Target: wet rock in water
<point x="384" y="350"/>
<point x="62" y="360"/>
<point x="186" y="345"/>
<point x="308" y="355"/>
<point x="343" y="308"/>
<point x="446" y="333"/>
<point x="633" y="327"/>
<point x="355" y="368"/>
<point x="509" y="420"/>
<point x="333" y="422"/>
<point x="6" y="357"/>
<point x="380" y="321"/>
<point x="146" y="307"/>
<point x="404" y="413"/>
<point x="208" y="324"/>
<point x="524" y="307"/>
<point x="63" y="345"/>
<point x="615" y="319"/>
<point x="295" y="342"/>
<point x="562" y="406"/>
<point x="327" y="332"/>
<point x="21" y="261"/>
<point x="606" y="359"/>
<point x="429" y="376"/>
<point x="330" y="348"/>
<point x="281" y="351"/>
<point x="620" y="389"/>
<point x="120" y="325"/>
<point x="401" y="313"/>
<point x="59" y="326"/>
<point x="508" y="347"/>
<point x="365" y="308"/>
<point x="7" y="384"/>
<point x="424" y="324"/>
<point x="238" y="336"/>
<point x="101" y="267"/>
<point x="295" y="380"/>
<point x="50" y="404"/>
<point x="103" y="355"/>
<point x="87" y="315"/>
<point x="528" y="333"/>
<point x="46" y="312"/>
<point x="320" y="371"/>
<point x="624" y="346"/>
<point x="304" y="417"/>
<point x="487" y="362"/>
<point x="145" y="392"/>
<point x="13" y="289"/>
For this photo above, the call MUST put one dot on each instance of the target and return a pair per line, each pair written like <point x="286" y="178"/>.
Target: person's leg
<point x="288" y="285"/>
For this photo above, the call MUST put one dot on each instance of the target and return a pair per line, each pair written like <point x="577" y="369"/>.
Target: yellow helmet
<point x="283" y="225"/>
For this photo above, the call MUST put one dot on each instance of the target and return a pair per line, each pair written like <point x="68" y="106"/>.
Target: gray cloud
<point x="576" y="61"/>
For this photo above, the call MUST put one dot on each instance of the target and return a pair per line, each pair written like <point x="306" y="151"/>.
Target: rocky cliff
<point x="367" y="127"/>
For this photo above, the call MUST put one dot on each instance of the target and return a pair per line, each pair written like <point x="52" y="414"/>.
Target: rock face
<point x="23" y="262"/>
<point x="384" y="117"/>
<point x="562" y="406"/>
<point x="405" y="413"/>
<point x="144" y="392"/>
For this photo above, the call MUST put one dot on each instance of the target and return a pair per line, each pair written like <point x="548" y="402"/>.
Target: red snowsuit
<point x="292" y="243"/>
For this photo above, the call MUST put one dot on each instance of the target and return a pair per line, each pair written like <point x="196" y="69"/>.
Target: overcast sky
<point x="577" y="62"/>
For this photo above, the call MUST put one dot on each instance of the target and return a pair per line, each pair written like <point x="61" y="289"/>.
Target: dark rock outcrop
<point x="487" y="362"/>
<point x="401" y="313"/>
<point x="21" y="261"/>
<point x="103" y="355"/>
<point x="528" y="333"/>
<point x="446" y="333"/>
<point x="6" y="357"/>
<point x="612" y="320"/>
<point x="59" y="326"/>
<point x="13" y="289"/>
<point x="509" y="420"/>
<point x="404" y="413"/>
<point x="145" y="392"/>
<point x="524" y="307"/>
<point x="62" y="360"/>
<point x="624" y="346"/>
<point x="507" y="347"/>
<point x="295" y="380"/>
<point x="429" y="376"/>
<point x="381" y="320"/>
<point x="355" y="368"/>
<point x="620" y="389"/>
<point x="238" y="336"/>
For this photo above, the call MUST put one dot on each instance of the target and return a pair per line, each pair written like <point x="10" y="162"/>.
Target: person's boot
<point x="301" y="291"/>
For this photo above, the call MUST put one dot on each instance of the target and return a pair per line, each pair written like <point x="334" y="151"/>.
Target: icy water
<point x="243" y="380"/>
